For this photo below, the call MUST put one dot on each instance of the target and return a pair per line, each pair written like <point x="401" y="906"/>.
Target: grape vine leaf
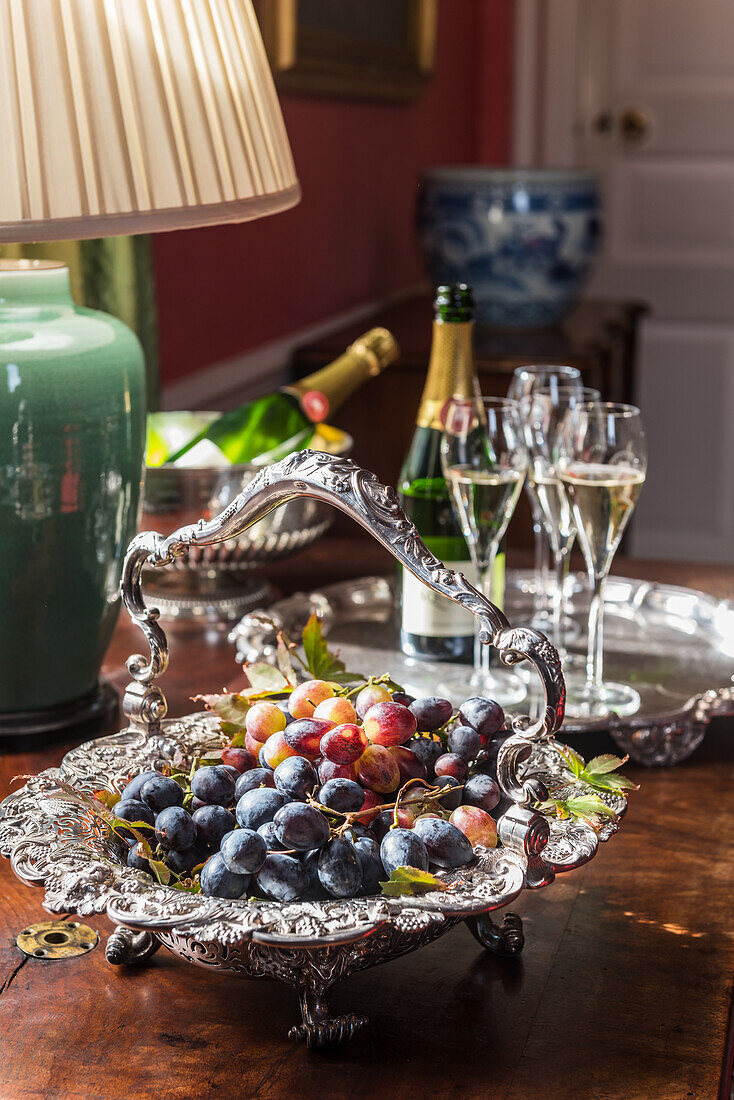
<point x="587" y="807"/>
<point x="320" y="662"/>
<point x="600" y="771"/>
<point x="410" y="880"/>
<point x="231" y="708"/>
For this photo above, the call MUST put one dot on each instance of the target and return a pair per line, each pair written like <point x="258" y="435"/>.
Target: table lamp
<point x="116" y="117"/>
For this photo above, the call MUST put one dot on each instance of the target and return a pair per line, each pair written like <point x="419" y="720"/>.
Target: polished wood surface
<point x="623" y="991"/>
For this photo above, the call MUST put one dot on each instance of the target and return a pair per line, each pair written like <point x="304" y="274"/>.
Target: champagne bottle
<point x="434" y="627"/>
<point x="276" y="424"/>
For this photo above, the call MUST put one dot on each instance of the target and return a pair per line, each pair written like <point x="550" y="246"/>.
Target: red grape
<point x="452" y="764"/>
<point x="304" y="736"/>
<point x="276" y="749"/>
<point x="368" y="696"/>
<point x="306" y="697"/>
<point x="410" y="766"/>
<point x="336" y="709"/>
<point x="344" y="744"/>
<point x="263" y="720"/>
<point x="240" y="759"/>
<point x="370" y="799"/>
<point x="328" y="770"/>
<point x="476" y="825"/>
<point x="389" y="724"/>
<point x="377" y="769"/>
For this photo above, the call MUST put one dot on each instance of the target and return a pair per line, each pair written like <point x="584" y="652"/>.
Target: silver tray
<point x="674" y="645"/>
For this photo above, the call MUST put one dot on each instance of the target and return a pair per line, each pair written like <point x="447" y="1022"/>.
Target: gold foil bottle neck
<point x="450" y="371"/>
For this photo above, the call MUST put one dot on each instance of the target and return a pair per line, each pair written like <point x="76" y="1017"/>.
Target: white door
<point x="643" y="91"/>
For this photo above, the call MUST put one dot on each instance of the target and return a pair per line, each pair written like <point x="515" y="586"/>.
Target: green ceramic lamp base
<point x="28" y="731"/>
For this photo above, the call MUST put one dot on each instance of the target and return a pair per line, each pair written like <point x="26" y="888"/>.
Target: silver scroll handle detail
<point x="358" y="493"/>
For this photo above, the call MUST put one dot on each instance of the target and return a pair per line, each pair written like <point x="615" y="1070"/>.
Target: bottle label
<point x="315" y="404"/>
<point x="428" y="613"/>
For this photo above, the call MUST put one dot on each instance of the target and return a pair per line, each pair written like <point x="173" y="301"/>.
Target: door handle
<point x="634" y="124"/>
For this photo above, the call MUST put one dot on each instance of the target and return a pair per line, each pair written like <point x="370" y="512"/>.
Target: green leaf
<point x="600" y="773"/>
<point x="601" y="765"/>
<point x="230" y="708"/>
<point x="410" y="880"/>
<point x="107" y="798"/>
<point x="588" y="804"/>
<point x="265" y="678"/>
<point x="320" y="662"/>
<point x="572" y="758"/>
<point x="160" y="870"/>
<point x="284" y="660"/>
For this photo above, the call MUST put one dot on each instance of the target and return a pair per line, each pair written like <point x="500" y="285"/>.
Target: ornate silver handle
<point x="358" y="493"/>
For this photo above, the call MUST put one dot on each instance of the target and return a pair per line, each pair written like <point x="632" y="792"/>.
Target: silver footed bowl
<point x="56" y="842"/>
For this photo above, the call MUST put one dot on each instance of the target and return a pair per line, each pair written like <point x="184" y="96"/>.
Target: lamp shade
<point x="132" y="116"/>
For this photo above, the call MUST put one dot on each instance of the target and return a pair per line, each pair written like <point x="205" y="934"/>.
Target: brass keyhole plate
<point x="56" y="939"/>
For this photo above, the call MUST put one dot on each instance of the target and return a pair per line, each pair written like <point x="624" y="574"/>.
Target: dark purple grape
<point x="446" y="845"/>
<point x="244" y="851"/>
<point x="161" y="791"/>
<point x="218" y="882"/>
<point x="262" y="761"/>
<point x="382" y="824"/>
<point x="448" y="801"/>
<point x="137" y="860"/>
<point x="132" y="810"/>
<point x="134" y="787"/>
<point x="182" y="861"/>
<point x="212" y="823"/>
<point x="403" y="848"/>
<point x="373" y="873"/>
<point x="257" y="777"/>
<point x="340" y="868"/>
<point x="482" y="791"/>
<point x="343" y="795"/>
<point x="487" y="762"/>
<point x="464" y="742"/>
<point x="484" y="715"/>
<point x="195" y="804"/>
<point x="431" y="713"/>
<point x="234" y="772"/>
<point x="269" y="834"/>
<point x="296" y="777"/>
<point x="357" y="830"/>
<point x="214" y="785"/>
<point x="310" y="863"/>
<point x="427" y="750"/>
<point x="403" y="697"/>
<point x="175" y="828"/>
<point x="282" y="878"/>
<point x="300" y="826"/>
<point x="258" y="806"/>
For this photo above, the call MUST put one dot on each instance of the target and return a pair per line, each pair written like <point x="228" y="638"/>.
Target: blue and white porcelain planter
<point x="524" y="239"/>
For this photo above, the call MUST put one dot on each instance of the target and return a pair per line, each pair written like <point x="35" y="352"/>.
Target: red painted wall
<point x="225" y="290"/>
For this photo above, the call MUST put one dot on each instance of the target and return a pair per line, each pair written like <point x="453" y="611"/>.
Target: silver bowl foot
<point x="506" y="939"/>
<point x="317" y="1028"/>
<point x="127" y="948"/>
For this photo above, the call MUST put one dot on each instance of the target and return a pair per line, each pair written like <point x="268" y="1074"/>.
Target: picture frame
<point x="381" y="50"/>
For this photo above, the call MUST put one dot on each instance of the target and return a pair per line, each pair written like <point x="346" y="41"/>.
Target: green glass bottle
<point x="432" y="626"/>
<point x="281" y="422"/>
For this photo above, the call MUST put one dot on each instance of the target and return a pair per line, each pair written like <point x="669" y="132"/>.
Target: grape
<point x="258" y="806"/>
<point x="411" y="767"/>
<point x="368" y="696"/>
<point x="465" y="742"/>
<point x="242" y="760"/>
<point x="403" y="848"/>
<point x="306" y="697"/>
<point x="428" y="750"/>
<point x="218" y="882"/>
<point x="344" y="744"/>
<point x="214" y="786"/>
<point x="195" y="804"/>
<point x="328" y="770"/>
<point x="431" y="713"/>
<point x="253" y="746"/>
<point x="212" y="823"/>
<point x="310" y="864"/>
<point x="487" y="762"/>
<point x="134" y="787"/>
<point x="340" y="868"/>
<point x="300" y="826"/>
<point x="296" y="777"/>
<point x="261" y="760"/>
<point x="269" y="834"/>
<point x="131" y="809"/>
<point x="337" y="709"/>
<point x="263" y="720"/>
<point x="446" y="845"/>
<point x="476" y="825"/>
<point x="232" y="771"/>
<point x="304" y="736"/>
<point x="482" y="791"/>
<point x="484" y="715"/>
<point x="244" y="851"/>
<point x="373" y="873"/>
<point x="250" y="781"/>
<point x="449" y="801"/>
<point x="160" y="791"/>
<point x="403" y="697"/>
<point x="275" y="750"/>
<point x="136" y="859"/>
<point x="389" y="724"/>
<point x="356" y="830"/>
<point x="453" y="765"/>
<point x="183" y="860"/>
<point x="342" y="794"/>
<point x="384" y="821"/>
<point x="370" y="799"/>
<point x="282" y="877"/>
<point x="378" y="770"/>
<point x="174" y="828"/>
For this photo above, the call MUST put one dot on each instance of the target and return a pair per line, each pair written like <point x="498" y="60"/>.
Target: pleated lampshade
<point x="133" y="116"/>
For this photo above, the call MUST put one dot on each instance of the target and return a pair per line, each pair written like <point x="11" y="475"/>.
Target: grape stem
<point x="431" y="793"/>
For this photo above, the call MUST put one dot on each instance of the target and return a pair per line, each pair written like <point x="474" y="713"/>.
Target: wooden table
<point x="623" y="991"/>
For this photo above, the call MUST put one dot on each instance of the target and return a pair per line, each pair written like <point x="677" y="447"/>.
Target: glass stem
<point x="540" y="569"/>
<point x="595" y="651"/>
<point x="561" y="561"/>
<point x="485" y="575"/>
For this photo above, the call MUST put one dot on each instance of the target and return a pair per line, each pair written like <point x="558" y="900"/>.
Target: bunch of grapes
<point x="328" y="798"/>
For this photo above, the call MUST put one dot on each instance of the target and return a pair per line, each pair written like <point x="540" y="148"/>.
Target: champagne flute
<point x="542" y="411"/>
<point x="524" y="381"/>
<point x="602" y="459"/>
<point x="484" y="461"/>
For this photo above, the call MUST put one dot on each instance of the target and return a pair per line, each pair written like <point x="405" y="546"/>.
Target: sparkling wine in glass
<point x="525" y="380"/>
<point x="484" y="461"/>
<point x="602" y="462"/>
